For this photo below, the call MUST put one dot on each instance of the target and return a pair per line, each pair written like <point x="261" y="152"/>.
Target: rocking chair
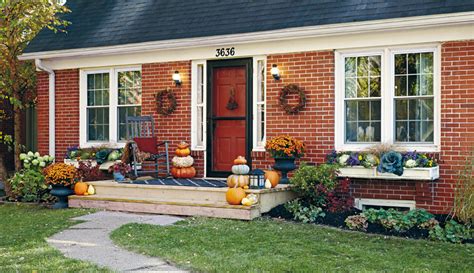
<point x="141" y="131"/>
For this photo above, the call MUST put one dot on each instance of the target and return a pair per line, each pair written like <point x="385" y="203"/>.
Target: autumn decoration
<point x="183" y="162"/>
<point x="237" y="182"/>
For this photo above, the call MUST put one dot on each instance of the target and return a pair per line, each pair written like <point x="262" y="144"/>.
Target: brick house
<point x="404" y="66"/>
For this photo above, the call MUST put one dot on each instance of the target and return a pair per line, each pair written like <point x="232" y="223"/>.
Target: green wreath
<point x="166" y="102"/>
<point x="288" y="90"/>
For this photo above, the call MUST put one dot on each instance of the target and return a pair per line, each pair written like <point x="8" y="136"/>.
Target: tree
<point x="20" y="22"/>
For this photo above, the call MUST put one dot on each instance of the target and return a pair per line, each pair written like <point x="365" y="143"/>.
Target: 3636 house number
<point x="225" y="52"/>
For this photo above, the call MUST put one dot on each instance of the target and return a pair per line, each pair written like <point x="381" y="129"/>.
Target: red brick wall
<point x="314" y="72"/>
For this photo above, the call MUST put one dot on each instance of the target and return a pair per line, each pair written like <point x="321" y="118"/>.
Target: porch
<point x="185" y="197"/>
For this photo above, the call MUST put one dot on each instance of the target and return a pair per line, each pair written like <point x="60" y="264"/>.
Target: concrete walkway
<point x="89" y="241"/>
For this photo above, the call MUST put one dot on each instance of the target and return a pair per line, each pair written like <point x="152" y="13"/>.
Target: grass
<point x="23" y="229"/>
<point x="216" y="245"/>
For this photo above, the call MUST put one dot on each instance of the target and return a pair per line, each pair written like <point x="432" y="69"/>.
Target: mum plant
<point x="61" y="174"/>
<point x="285" y="146"/>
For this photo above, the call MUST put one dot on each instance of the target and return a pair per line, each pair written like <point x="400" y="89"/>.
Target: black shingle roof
<point x="105" y="23"/>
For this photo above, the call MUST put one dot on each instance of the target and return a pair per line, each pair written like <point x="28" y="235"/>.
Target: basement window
<point x="368" y="203"/>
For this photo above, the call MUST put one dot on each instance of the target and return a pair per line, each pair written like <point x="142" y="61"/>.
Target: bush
<point x="28" y="185"/>
<point x="88" y="172"/>
<point x="35" y="161"/>
<point x="453" y="232"/>
<point x="357" y="222"/>
<point x="399" y="221"/>
<point x="303" y="212"/>
<point x="314" y="182"/>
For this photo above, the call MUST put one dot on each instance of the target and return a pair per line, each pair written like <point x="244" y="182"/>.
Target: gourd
<point x="183" y="149"/>
<point x="182" y="162"/>
<point x="273" y="176"/>
<point x="80" y="188"/>
<point x="240" y="169"/>
<point x="237" y="181"/>
<point x="91" y="190"/>
<point x="268" y="185"/>
<point x="234" y="196"/>
<point x="188" y="172"/>
<point x="240" y="160"/>
<point x="249" y="200"/>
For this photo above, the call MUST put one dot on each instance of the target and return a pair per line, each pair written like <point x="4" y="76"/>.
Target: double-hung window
<point x="259" y="105"/>
<point x="389" y="96"/>
<point x="108" y="96"/>
<point x="198" y="104"/>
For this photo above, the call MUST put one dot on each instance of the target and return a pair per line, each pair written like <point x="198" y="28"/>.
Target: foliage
<point x="463" y="208"/>
<point x="61" y="174"/>
<point x="372" y="158"/>
<point x="120" y="167"/>
<point x="391" y="162"/>
<point x="453" y="232"/>
<point x="265" y="245"/>
<point x="399" y="221"/>
<point x="285" y="146"/>
<point x="100" y="154"/>
<point x="28" y="185"/>
<point x="340" y="200"/>
<point x="23" y="246"/>
<point x="20" y="22"/>
<point x="35" y="161"/>
<point x="304" y="213"/>
<point x="357" y="222"/>
<point x="89" y="172"/>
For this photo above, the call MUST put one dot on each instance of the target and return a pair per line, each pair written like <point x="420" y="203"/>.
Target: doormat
<point x="194" y="182"/>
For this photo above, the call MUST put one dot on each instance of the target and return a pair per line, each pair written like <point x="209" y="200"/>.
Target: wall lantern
<point x="257" y="179"/>
<point x="275" y="72"/>
<point x="177" y="78"/>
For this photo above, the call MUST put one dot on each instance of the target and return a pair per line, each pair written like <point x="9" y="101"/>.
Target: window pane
<point x="414" y="120"/>
<point x="400" y="64"/>
<point x="260" y="124"/>
<point x="413" y="85"/>
<point x="98" y="124"/>
<point x="401" y="109"/>
<point x="401" y="131"/>
<point x="374" y="65"/>
<point x="351" y="110"/>
<point x="426" y="84"/>
<point x="350" y="67"/>
<point x="363" y="121"/>
<point x="427" y="63"/>
<point x="363" y="66"/>
<point x="200" y="85"/>
<point x="351" y="87"/>
<point x="413" y="63"/>
<point x="362" y="87"/>
<point x="129" y="87"/>
<point x="199" y="121"/>
<point x="375" y="111"/>
<point x="98" y="89"/>
<point x="375" y="87"/>
<point x="427" y="133"/>
<point x="123" y="113"/>
<point x="364" y="110"/>
<point x="351" y="131"/>
<point x="400" y="85"/>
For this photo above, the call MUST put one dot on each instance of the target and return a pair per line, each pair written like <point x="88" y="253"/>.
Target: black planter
<point x="61" y="192"/>
<point x="284" y="165"/>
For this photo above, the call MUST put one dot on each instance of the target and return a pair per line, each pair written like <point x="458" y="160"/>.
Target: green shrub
<point x="307" y="179"/>
<point x="357" y="222"/>
<point x="453" y="232"/>
<point x="304" y="213"/>
<point x="400" y="221"/>
<point x="28" y="185"/>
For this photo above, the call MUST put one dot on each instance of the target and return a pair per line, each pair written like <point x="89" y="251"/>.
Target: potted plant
<point x="284" y="149"/>
<point x="119" y="170"/>
<point x="61" y="177"/>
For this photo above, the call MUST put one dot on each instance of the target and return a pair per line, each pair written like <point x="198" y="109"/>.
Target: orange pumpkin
<point x="273" y="177"/>
<point x="80" y="188"/>
<point x="235" y="195"/>
<point x="188" y="172"/>
<point x="183" y="152"/>
<point x="237" y="181"/>
<point x="183" y="145"/>
<point x="240" y="160"/>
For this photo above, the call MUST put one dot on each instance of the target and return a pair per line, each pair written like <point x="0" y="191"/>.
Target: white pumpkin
<point x="240" y="169"/>
<point x="182" y="162"/>
<point x="90" y="190"/>
<point x="268" y="184"/>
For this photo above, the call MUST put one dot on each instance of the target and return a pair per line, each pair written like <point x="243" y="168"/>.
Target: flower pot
<point x="61" y="192"/>
<point x="118" y="176"/>
<point x="284" y="165"/>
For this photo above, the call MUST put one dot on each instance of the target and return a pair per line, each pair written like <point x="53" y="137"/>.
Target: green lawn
<point x="214" y="245"/>
<point x="23" y="229"/>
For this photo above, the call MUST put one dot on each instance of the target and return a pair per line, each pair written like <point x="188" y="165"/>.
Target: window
<point x="198" y="102"/>
<point x="259" y="103"/>
<point x="107" y="98"/>
<point x="387" y="96"/>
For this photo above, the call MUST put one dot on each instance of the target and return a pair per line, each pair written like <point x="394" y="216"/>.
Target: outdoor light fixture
<point x="257" y="179"/>
<point x="177" y="78"/>
<point x="275" y="72"/>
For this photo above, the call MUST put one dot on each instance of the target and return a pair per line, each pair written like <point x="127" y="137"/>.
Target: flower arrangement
<point x="61" y="174"/>
<point x="100" y="154"/>
<point x="120" y="167"/>
<point x="285" y="146"/>
<point x="370" y="159"/>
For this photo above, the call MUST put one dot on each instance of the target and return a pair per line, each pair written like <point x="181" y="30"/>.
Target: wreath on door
<point x="289" y="90"/>
<point x="166" y="102"/>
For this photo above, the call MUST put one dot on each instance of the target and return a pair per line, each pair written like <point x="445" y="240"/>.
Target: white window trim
<point x="194" y="90"/>
<point x="387" y="91"/>
<point x="255" y="146"/>
<point x="359" y="203"/>
<point x="113" y="106"/>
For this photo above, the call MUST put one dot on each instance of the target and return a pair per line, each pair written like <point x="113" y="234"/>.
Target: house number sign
<point x="225" y="52"/>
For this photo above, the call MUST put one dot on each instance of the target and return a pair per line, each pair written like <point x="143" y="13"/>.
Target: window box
<point x="103" y="167"/>
<point x="408" y="173"/>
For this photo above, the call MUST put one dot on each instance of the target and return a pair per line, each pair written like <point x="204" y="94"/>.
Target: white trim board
<point x="246" y="46"/>
<point x="359" y="203"/>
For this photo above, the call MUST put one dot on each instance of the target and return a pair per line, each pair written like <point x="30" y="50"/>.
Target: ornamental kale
<point x="391" y="162"/>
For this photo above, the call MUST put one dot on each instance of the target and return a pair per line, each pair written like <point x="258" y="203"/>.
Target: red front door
<point x="229" y="110"/>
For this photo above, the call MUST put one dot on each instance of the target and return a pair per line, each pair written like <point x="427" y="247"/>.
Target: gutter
<point x="404" y="23"/>
<point x="52" y="105"/>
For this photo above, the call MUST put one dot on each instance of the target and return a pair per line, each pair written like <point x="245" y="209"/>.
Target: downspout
<point x="52" y="105"/>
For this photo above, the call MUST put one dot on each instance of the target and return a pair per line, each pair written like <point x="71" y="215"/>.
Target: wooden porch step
<point x="179" y="200"/>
